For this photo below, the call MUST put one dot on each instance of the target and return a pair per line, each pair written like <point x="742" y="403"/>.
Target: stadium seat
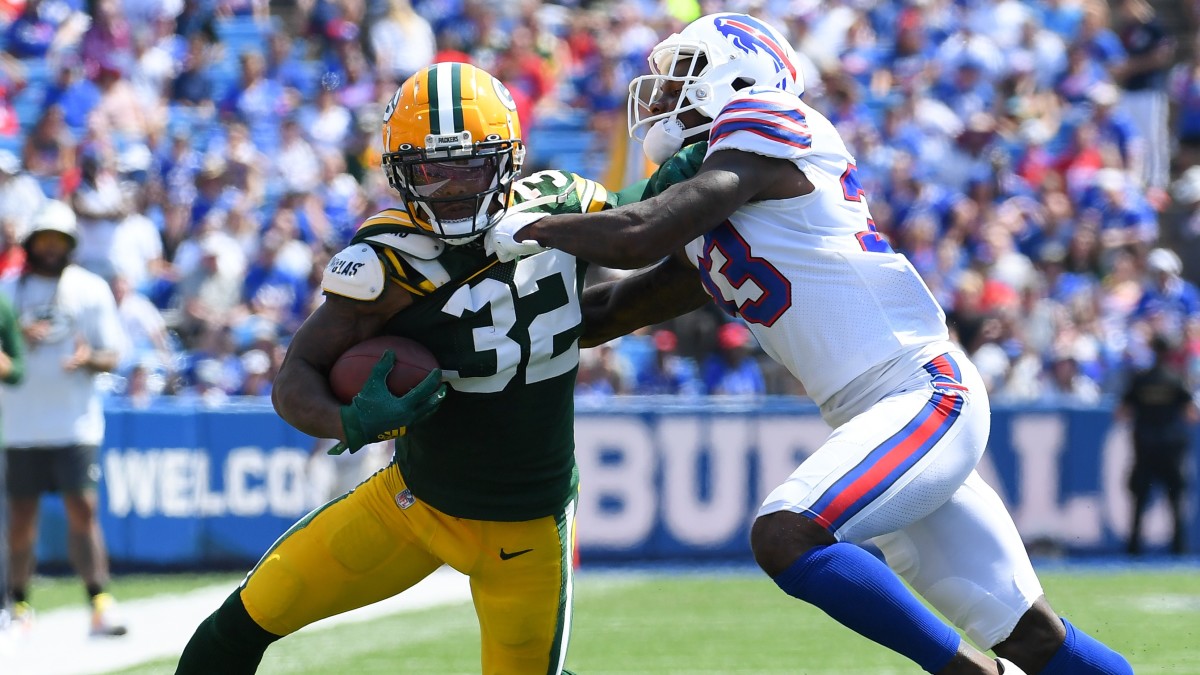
<point x="37" y="72"/>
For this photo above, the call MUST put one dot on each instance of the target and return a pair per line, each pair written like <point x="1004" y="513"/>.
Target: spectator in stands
<point x="210" y="270"/>
<point x="256" y="366"/>
<point x="1064" y="383"/>
<point x="100" y="206"/>
<point x="326" y="123"/>
<point x="153" y="66"/>
<point x="1168" y="300"/>
<point x="285" y="67"/>
<point x="340" y="196"/>
<point x="602" y="373"/>
<point x="73" y="92"/>
<point x="667" y="372"/>
<point x="257" y="100"/>
<point x="278" y="287"/>
<point x="246" y="166"/>
<point x="1102" y="43"/>
<point x="732" y="371"/>
<point x="20" y="193"/>
<point x="360" y="86"/>
<point x="1125" y="217"/>
<point x="402" y="41"/>
<point x="49" y="149"/>
<point x="1115" y="130"/>
<point x="53" y="422"/>
<point x="1161" y="408"/>
<point x="1185" y="94"/>
<point x="1143" y="80"/>
<point x="143" y="383"/>
<point x="109" y="36"/>
<point x="195" y="85"/>
<point x="120" y="111"/>
<point x="1083" y="72"/>
<point x="297" y="166"/>
<point x="144" y="327"/>
<point x="32" y="33"/>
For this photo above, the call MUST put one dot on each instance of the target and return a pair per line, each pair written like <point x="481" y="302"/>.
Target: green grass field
<point x="663" y="623"/>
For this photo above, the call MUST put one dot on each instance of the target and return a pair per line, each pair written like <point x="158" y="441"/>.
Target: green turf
<point x="697" y="624"/>
<point x="47" y="593"/>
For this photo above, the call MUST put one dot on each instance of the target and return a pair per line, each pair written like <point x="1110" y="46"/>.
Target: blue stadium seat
<point x="240" y="34"/>
<point x="28" y="108"/>
<point x="13" y="144"/>
<point x="38" y="72"/>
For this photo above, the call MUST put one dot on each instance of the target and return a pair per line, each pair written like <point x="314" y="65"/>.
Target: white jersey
<point x="823" y="293"/>
<point x="52" y="406"/>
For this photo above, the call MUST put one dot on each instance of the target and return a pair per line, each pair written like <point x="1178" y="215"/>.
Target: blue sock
<point x="864" y="595"/>
<point x="1082" y="654"/>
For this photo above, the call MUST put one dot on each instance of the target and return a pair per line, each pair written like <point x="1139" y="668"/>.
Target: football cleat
<point x="106" y="619"/>
<point x="22" y="616"/>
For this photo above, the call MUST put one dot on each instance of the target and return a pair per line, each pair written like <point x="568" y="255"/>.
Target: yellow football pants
<point x="377" y="540"/>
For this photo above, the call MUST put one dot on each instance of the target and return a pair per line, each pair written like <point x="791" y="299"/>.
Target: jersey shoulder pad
<point x="355" y="272"/>
<point x="762" y="120"/>
<point x="394" y="229"/>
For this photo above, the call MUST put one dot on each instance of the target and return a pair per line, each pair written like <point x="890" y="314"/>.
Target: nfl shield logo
<point x="405" y="498"/>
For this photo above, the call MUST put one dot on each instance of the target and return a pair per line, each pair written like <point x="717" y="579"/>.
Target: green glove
<point x="377" y="414"/>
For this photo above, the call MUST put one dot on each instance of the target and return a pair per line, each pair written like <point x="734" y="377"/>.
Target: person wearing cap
<point x="53" y="421"/>
<point x="1161" y="408"/>
<point x="731" y="371"/>
<point x="667" y="372"/>
<point x="1168" y="300"/>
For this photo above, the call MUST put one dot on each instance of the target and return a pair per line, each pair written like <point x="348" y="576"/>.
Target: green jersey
<point x="501" y="446"/>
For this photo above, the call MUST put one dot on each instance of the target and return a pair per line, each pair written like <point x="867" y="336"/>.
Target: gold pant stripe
<point x="378" y="541"/>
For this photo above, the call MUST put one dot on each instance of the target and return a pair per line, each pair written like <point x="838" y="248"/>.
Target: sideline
<point x="58" y="643"/>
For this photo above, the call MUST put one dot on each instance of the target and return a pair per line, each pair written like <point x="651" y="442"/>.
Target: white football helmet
<point x="734" y="47"/>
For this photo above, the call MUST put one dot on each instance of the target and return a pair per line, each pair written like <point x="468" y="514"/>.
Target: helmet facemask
<point x="460" y="188"/>
<point x="679" y="61"/>
<point x="711" y="60"/>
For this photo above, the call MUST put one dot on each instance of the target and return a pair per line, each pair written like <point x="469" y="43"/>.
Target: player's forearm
<point x="302" y="397"/>
<point x="636" y="235"/>
<point x="103" y="361"/>
<point x="617" y="308"/>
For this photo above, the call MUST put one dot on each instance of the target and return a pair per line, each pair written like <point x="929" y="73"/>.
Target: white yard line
<point x="58" y="643"/>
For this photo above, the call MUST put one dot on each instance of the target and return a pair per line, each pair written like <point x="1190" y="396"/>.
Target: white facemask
<point x="663" y="140"/>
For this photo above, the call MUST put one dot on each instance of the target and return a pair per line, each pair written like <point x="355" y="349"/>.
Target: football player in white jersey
<point x="777" y="224"/>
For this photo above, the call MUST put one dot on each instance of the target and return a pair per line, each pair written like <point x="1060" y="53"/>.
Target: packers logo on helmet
<point x="452" y="149"/>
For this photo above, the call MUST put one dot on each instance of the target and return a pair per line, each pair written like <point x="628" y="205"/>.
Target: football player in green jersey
<point x="484" y="478"/>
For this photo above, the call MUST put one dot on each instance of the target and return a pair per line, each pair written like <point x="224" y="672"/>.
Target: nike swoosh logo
<point x="510" y="556"/>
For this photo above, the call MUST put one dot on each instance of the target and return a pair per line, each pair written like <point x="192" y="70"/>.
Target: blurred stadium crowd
<point x="1034" y="159"/>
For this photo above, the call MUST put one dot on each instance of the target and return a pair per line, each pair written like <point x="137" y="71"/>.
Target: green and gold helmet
<point x="452" y="149"/>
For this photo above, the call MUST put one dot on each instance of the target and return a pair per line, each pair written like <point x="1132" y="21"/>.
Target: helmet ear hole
<point x="742" y="83"/>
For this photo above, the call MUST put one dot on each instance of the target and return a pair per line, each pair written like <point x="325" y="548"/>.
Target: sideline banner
<point x="188" y="487"/>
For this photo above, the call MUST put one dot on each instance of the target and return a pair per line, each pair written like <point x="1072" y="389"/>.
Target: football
<point x="351" y="370"/>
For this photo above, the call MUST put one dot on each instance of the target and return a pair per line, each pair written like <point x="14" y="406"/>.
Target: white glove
<point x="499" y="239"/>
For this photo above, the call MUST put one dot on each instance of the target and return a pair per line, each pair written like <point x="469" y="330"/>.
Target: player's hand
<point x="80" y="358"/>
<point x="376" y="414"/>
<point x="499" y="240"/>
<point x="35" y="332"/>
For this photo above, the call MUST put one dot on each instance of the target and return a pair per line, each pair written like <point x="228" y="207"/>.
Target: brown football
<point x="350" y="372"/>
